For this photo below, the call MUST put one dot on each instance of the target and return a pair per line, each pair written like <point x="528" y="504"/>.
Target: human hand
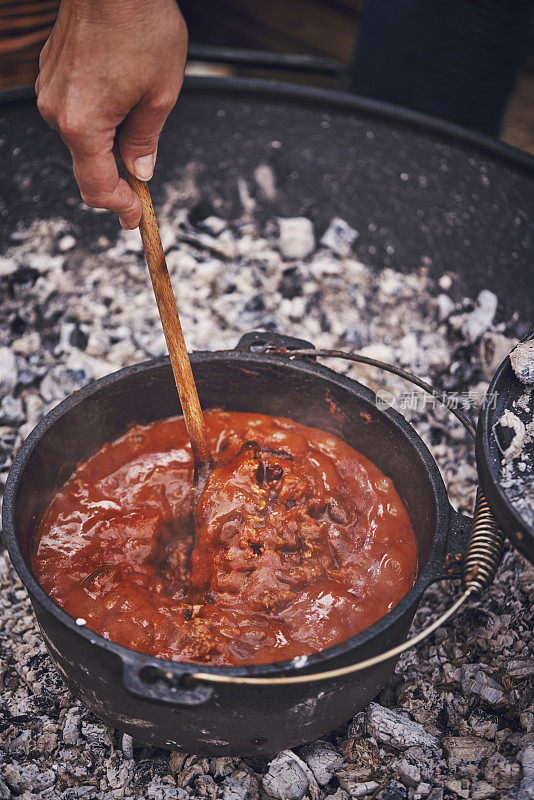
<point x="112" y="66"/>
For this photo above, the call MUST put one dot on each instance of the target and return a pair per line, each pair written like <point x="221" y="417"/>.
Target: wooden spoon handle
<point x="181" y="366"/>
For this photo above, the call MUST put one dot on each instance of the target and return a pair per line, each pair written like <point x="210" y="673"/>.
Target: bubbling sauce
<point x="301" y="542"/>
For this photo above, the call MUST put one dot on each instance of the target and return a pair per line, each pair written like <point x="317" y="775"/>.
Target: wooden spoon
<point x="170" y="321"/>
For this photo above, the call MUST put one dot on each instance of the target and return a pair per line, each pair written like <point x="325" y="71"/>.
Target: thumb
<point x="138" y="138"/>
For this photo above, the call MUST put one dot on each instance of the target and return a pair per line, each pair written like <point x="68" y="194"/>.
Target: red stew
<point x="301" y="542"/>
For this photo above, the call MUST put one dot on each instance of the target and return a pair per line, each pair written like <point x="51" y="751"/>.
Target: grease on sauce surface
<point x="301" y="542"/>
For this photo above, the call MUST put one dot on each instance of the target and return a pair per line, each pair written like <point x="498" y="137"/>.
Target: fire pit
<point x="466" y="687"/>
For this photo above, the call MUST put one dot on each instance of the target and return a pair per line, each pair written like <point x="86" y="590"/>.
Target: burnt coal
<point x="455" y="722"/>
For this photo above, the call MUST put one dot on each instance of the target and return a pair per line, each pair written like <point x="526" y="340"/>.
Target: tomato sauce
<point x="301" y="542"/>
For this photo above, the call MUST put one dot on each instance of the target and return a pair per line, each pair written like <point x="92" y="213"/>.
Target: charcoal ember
<point x="483" y="723"/>
<point x="362" y="753"/>
<point x="222" y="766"/>
<point x="241" y="785"/>
<point x="8" y="371"/>
<point x="522" y="361"/>
<point x="205" y="786"/>
<point x="334" y="300"/>
<point x="480" y="790"/>
<point x="72" y="335"/>
<point x="526" y="759"/>
<point x="176" y="761"/>
<point x="127" y="745"/>
<point x="476" y="682"/>
<point x="339" y="794"/>
<point x="459" y="787"/>
<point x="339" y="237"/>
<point x="266" y="181"/>
<point x="11" y="411"/>
<point x="467" y="748"/>
<point x="526" y="789"/>
<point x="297" y="237"/>
<point x="422" y="790"/>
<point x="71" y="727"/>
<point x="8" y="438"/>
<point x="30" y="375"/>
<point x="62" y="381"/>
<point x="213" y="225"/>
<point x="5" y="460"/>
<point x="160" y="791"/>
<point x="445" y="306"/>
<point x="28" y="777"/>
<point x="191" y="769"/>
<point x="520" y="668"/>
<point x="222" y="245"/>
<point x="474" y="323"/>
<point x="118" y="771"/>
<point x="43" y="262"/>
<point x="408" y="773"/>
<point x="396" y="729"/>
<point x="323" y="760"/>
<point x="354" y="788"/>
<point x="290" y="778"/>
<point x="97" y="733"/>
<point x="291" y="283"/>
<point x="394" y="792"/>
<point x="424" y="759"/>
<point x="421" y="699"/>
<point x="66" y="243"/>
<point x="501" y="773"/>
<point x="7" y="266"/>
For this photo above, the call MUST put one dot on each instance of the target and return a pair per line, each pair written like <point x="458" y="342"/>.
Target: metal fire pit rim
<point x="339" y="100"/>
<point x="433" y="570"/>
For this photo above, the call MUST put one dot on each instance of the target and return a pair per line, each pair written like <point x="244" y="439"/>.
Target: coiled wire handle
<point x="484" y="547"/>
<point x="479" y="564"/>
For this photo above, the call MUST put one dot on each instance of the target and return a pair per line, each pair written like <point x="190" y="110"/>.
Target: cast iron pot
<point x="154" y="700"/>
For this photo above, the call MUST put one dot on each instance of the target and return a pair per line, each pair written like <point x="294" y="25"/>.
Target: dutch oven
<point x="159" y="701"/>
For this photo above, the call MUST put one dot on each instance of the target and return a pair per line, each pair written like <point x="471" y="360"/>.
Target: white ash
<point x="522" y="360"/>
<point x="8" y="372"/>
<point x="323" y="760"/>
<point x="69" y="315"/>
<point x="396" y="729"/>
<point x="290" y="778"/>
<point x="517" y="465"/>
<point x="357" y="789"/>
<point x="297" y="237"/>
<point x="480" y="319"/>
<point x="339" y="237"/>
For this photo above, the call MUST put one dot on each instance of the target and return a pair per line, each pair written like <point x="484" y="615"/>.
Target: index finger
<point x="100" y="186"/>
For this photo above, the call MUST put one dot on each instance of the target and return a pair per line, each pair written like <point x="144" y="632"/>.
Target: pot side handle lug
<point x="455" y="546"/>
<point x="255" y="340"/>
<point x="151" y="681"/>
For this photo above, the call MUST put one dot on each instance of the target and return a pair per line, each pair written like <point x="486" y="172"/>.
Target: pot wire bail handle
<point x="479" y="564"/>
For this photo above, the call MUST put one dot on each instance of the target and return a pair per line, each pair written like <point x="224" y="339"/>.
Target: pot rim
<point x="507" y="386"/>
<point x="431" y="572"/>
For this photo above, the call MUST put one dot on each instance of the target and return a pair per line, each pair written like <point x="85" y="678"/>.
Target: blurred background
<point x="326" y="34"/>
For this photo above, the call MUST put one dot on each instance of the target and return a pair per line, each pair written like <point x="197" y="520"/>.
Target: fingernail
<point x="144" y="167"/>
<point x="123" y="224"/>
